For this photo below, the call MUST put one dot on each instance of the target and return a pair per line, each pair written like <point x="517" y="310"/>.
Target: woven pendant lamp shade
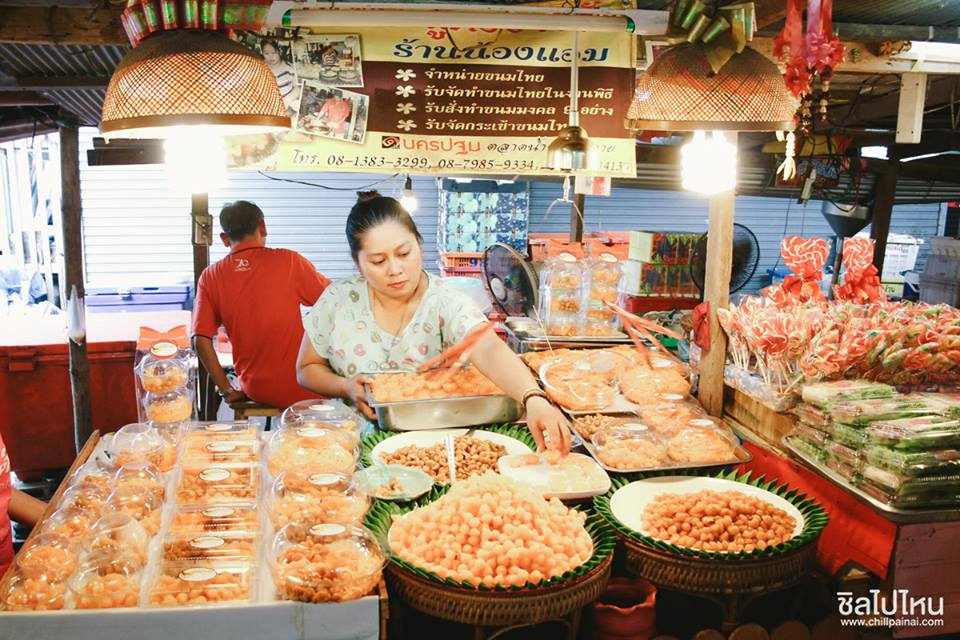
<point x="192" y="77"/>
<point x="680" y="92"/>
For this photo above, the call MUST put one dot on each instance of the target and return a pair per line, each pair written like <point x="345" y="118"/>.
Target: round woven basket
<point x="498" y="608"/>
<point x="710" y="576"/>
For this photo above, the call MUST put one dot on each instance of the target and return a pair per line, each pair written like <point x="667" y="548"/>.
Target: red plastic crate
<point x="644" y="304"/>
<point x="461" y="260"/>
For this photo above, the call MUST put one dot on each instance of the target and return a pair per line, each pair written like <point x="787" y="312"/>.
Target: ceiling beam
<point x="871" y="111"/>
<point x="57" y="25"/>
<point x="859" y="58"/>
<point x="52" y="83"/>
<point x="876" y="33"/>
<point x="74" y="4"/>
<point x="769" y="11"/>
<point x="17" y="129"/>
<point x="23" y="99"/>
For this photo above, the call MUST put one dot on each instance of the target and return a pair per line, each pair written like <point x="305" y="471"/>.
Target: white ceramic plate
<point x="548" y="476"/>
<point x="430" y="438"/>
<point x="414" y="481"/>
<point x="630" y="501"/>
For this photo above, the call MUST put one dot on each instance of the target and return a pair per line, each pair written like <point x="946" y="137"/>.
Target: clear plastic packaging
<point x="849" y="472"/>
<point x="844" y="454"/>
<point x="863" y="412"/>
<point x="915" y="464"/>
<point x="808" y="449"/>
<point x="48" y="556"/>
<point x="206" y="451"/>
<point x="662" y="377"/>
<point x="917" y="434"/>
<point x="854" y="437"/>
<point x="326" y="562"/>
<point x="669" y="417"/>
<point x="332" y="415"/>
<point x="702" y="444"/>
<point x="88" y="497"/>
<point x="172" y="434"/>
<point x="163" y="375"/>
<point x="317" y="497"/>
<point x="207" y="431"/>
<point x="944" y="495"/>
<point x="586" y="384"/>
<point x="71" y="522"/>
<point x="823" y="394"/>
<point x="213" y="545"/>
<point x="947" y="404"/>
<point x="227" y="518"/>
<point x="201" y="584"/>
<point x="563" y="325"/>
<point x="900" y="485"/>
<point x="138" y="442"/>
<point x="218" y="484"/>
<point x="169" y="407"/>
<point x="587" y="425"/>
<point x="90" y="477"/>
<point x="561" y="295"/>
<point x="107" y="580"/>
<point x="311" y="449"/>
<point x="808" y="433"/>
<point x="118" y="533"/>
<point x="32" y="593"/>
<point x="813" y="416"/>
<point x="631" y="447"/>
<point x="140" y="474"/>
<point x="138" y="502"/>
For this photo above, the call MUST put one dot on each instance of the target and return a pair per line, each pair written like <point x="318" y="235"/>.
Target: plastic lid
<point x="173" y="406"/>
<point x="218" y="484"/>
<point x="87" y="497"/>
<point x="118" y="532"/>
<point x="70" y="521"/>
<point x="326" y="562"/>
<point x="920" y="432"/>
<point x="201" y="583"/>
<point x="332" y="413"/>
<point x="105" y="580"/>
<point x="586" y="384"/>
<point x="28" y="593"/>
<point x="701" y="445"/>
<point x="163" y="374"/>
<point x="137" y="442"/>
<point x="220" y="518"/>
<point x="239" y="430"/>
<point x="140" y="474"/>
<point x="631" y="446"/>
<point x="211" y="545"/>
<point x="48" y="556"/>
<point x="317" y="497"/>
<point x="91" y="478"/>
<point x="138" y="502"/>
<point x="203" y="451"/>
<point x="312" y="449"/>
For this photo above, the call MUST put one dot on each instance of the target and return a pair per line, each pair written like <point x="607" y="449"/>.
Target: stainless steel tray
<point x="740" y="455"/>
<point x="444" y="413"/>
<point x="526" y="329"/>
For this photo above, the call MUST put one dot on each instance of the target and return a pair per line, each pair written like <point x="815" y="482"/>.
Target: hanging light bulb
<point x="408" y="200"/>
<point x="195" y="159"/>
<point x="571" y="150"/>
<point x="709" y="165"/>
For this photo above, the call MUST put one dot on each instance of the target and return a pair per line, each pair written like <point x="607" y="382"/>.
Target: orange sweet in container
<point x="118" y="533"/>
<point x="138" y="442"/>
<point x="166" y="408"/>
<point x="330" y="415"/>
<point x="306" y="497"/>
<point x="181" y="584"/>
<point x="629" y="447"/>
<point x="401" y="387"/>
<point x="70" y="521"/>
<point x="107" y="580"/>
<point x="218" y="484"/>
<point x="313" y="449"/>
<point x="226" y="518"/>
<point x="49" y="556"/>
<point x="24" y="593"/>
<point x="162" y="376"/>
<point x="701" y="444"/>
<point x="140" y="474"/>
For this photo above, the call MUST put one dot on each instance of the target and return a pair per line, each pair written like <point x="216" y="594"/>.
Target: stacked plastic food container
<point x="574" y="293"/>
<point x="228" y="521"/>
<point x="902" y="449"/>
<point x="164" y="380"/>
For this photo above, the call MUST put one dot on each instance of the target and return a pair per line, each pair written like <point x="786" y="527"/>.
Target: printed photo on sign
<point x="331" y="59"/>
<point x="276" y="47"/>
<point x="332" y="112"/>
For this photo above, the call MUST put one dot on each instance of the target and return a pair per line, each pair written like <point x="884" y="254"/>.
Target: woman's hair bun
<point x="365" y="196"/>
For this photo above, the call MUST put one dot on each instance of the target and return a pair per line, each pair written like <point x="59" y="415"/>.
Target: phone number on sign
<point x="443" y="164"/>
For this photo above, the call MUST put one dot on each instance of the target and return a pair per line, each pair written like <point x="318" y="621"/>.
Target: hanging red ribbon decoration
<point x="819" y="52"/>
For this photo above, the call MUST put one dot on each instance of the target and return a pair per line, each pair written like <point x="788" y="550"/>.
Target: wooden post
<point x="717" y="292"/>
<point x="202" y="236"/>
<point x="883" y="197"/>
<point x="576" y="217"/>
<point x="70" y="210"/>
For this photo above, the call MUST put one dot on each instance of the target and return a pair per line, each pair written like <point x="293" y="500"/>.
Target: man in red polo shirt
<point x="255" y="293"/>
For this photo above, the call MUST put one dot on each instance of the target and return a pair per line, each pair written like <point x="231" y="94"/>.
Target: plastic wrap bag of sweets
<point x="561" y="295"/>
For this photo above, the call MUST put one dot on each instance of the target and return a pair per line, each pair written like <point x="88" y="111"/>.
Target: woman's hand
<point x="356" y="390"/>
<point x="548" y="425"/>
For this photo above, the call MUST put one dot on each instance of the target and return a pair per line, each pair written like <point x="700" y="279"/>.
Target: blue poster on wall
<point x="474" y="214"/>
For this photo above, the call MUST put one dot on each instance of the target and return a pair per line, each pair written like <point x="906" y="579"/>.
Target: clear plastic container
<point x="600" y="313"/>
<point x="332" y="415"/>
<point x="163" y="374"/>
<point x="118" y="533"/>
<point x="808" y="433"/>
<point x="945" y="495"/>
<point x="812" y="416"/>
<point x="70" y="521"/>
<point x="947" y="404"/>
<point x="88" y="497"/>
<point x="205" y="451"/>
<point x="311" y="449"/>
<point x="187" y="584"/>
<point x="227" y="518"/>
<point x="849" y="472"/>
<point x="562" y="273"/>
<point x="664" y="377"/>
<point x="587" y="384"/>
<point x="141" y="474"/>
<point x="863" y="412"/>
<point x="326" y="562"/>
<point x="808" y="449"/>
<point x="33" y="593"/>
<point x="48" y="556"/>
<point x="630" y="447"/>
<point x="172" y="434"/>
<point x="166" y="408"/>
<point x="702" y="444"/>
<point x="218" y="484"/>
<point x="562" y="325"/>
<point x="854" y="437"/>
<point x="90" y="477"/>
<point x="842" y="453"/>
<point x="317" y="497"/>
<point x="138" y="502"/>
<point x="587" y="425"/>
<point x="915" y="464"/>
<point x="212" y="545"/>
<point x="916" y="434"/>
<point x="823" y="394"/>
<point x="138" y="442"/>
<point x="107" y="580"/>
<point x="207" y="431"/>
<point x="899" y="485"/>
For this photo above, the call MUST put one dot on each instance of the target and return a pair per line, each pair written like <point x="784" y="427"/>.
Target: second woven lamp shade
<point x="680" y="92"/>
<point x="191" y="77"/>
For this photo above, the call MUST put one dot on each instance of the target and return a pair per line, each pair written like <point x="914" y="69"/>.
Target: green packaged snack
<point x="851" y="436"/>
<point x="808" y="449"/>
<point x="931" y="500"/>
<point x="844" y="454"/>
<point x="823" y="394"/>
<point x="915" y="464"/>
<point x="863" y="412"/>
<point x="947" y="404"/>
<point x="814" y="436"/>
<point x="922" y="433"/>
<point x="849" y="472"/>
<point x="813" y="416"/>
